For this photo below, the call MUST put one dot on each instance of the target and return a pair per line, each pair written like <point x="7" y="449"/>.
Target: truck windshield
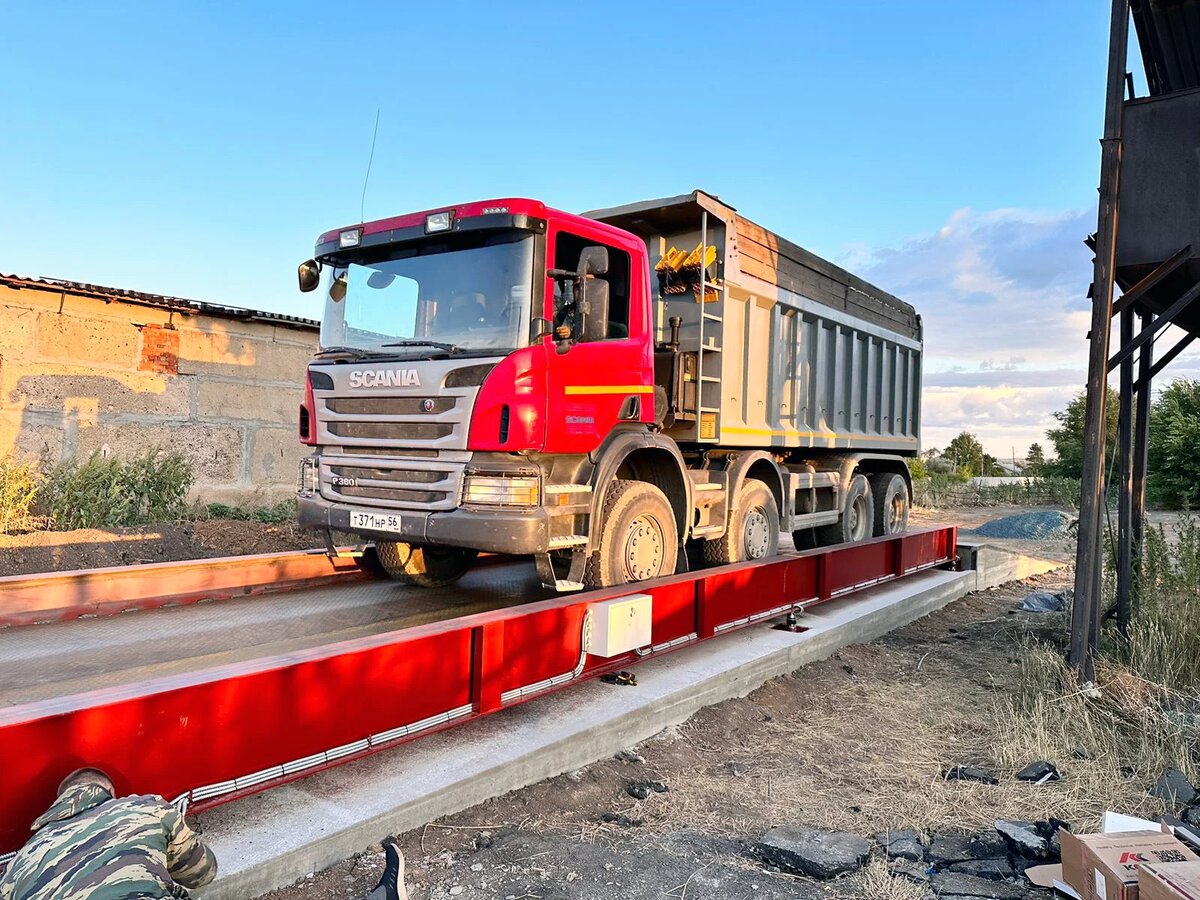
<point x="471" y="291"/>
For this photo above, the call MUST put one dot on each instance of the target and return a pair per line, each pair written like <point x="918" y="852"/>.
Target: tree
<point x="1035" y="459"/>
<point x="917" y="469"/>
<point x="1174" y="438"/>
<point x="966" y="454"/>
<point x="1067" y="438"/>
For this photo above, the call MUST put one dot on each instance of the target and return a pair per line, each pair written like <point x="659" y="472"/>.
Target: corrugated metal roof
<point x="1168" y="33"/>
<point x="161" y="301"/>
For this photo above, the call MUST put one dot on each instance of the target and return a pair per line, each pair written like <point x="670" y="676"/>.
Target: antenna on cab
<point x="370" y="159"/>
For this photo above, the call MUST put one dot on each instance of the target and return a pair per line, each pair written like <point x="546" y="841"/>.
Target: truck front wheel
<point x="638" y="537"/>
<point x="422" y="565"/>
<point x="753" y="531"/>
<point x="858" y="516"/>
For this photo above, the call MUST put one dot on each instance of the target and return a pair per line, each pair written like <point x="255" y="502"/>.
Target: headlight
<point x="306" y="482"/>
<point x="500" y="490"/>
<point x="439" y="221"/>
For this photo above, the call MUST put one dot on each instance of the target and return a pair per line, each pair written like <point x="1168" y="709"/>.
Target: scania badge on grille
<point x="385" y="378"/>
<point x="427" y="405"/>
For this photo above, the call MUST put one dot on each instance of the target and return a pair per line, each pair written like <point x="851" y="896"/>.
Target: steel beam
<point x="1144" y="378"/>
<point x="1155" y="326"/>
<point x="1141" y="441"/>
<point x="1139" y="290"/>
<point x="26" y="599"/>
<point x="212" y="735"/>
<point x="1125" y="480"/>
<point x="1086" y="608"/>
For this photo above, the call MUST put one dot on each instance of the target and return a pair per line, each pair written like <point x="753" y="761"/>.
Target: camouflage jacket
<point x="89" y="846"/>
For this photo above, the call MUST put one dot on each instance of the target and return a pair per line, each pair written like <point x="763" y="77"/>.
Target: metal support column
<point x="1085" y="613"/>
<point x="1141" y="440"/>
<point x="1125" y="480"/>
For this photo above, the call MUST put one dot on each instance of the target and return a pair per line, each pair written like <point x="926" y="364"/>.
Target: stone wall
<point x="85" y="368"/>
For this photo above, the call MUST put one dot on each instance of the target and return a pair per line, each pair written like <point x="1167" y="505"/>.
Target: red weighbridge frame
<point x="206" y="737"/>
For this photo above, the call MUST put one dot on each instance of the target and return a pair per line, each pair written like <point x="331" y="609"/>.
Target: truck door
<point x="607" y="374"/>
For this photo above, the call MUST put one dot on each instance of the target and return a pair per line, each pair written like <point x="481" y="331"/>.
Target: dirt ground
<point x="92" y="548"/>
<point x="856" y="743"/>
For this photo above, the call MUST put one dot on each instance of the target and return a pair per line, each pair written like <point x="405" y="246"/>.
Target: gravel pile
<point x="1028" y="526"/>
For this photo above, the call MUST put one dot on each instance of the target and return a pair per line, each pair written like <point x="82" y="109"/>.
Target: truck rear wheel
<point x="858" y="516"/>
<point x="638" y="537"/>
<point x="426" y="566"/>
<point x="753" y="531"/>
<point x="891" y="503"/>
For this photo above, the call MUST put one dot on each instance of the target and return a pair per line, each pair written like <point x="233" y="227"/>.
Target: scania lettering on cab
<point x="619" y="394"/>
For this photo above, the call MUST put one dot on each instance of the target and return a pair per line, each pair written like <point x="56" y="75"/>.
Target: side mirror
<point x="309" y="274"/>
<point x="540" y="328"/>
<point x="593" y="261"/>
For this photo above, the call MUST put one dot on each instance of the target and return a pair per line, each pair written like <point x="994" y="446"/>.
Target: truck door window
<point x="567" y="249"/>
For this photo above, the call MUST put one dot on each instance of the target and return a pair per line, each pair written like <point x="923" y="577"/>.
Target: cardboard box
<point x="1104" y="866"/>
<point x="1169" y="881"/>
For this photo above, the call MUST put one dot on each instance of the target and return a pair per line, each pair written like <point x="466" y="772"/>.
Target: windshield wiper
<point x="421" y="342"/>
<point x="356" y="352"/>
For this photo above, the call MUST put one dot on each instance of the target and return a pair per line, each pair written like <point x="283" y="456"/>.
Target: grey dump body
<point x="788" y="351"/>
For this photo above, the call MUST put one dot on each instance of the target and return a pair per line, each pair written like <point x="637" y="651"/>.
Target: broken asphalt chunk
<point x="1025" y="839"/>
<point x="969" y="773"/>
<point x="1174" y="787"/>
<point x="903" y="844"/>
<point x="1039" y="772"/>
<point x="955" y="884"/>
<point x="807" y="851"/>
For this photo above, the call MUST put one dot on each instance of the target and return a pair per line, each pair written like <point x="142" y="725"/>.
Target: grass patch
<point x="19" y="483"/>
<point x="108" y="492"/>
<point x="271" y="514"/>
<point x="1143" y="714"/>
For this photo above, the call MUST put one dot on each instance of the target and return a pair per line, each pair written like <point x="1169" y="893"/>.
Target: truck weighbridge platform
<point x="215" y="734"/>
<point x="275" y="838"/>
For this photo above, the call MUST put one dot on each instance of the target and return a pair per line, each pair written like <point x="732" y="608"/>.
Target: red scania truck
<point x="605" y="392"/>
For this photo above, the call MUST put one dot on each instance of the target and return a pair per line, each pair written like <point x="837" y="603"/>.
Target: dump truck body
<point x="792" y="351"/>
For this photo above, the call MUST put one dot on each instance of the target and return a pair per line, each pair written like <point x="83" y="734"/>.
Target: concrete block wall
<point x="80" y="373"/>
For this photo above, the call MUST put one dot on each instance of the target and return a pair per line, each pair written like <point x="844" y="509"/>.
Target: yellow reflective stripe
<point x="609" y="389"/>
<point x="768" y="432"/>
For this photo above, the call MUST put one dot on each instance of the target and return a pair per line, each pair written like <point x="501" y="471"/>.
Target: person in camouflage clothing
<point x="90" y="845"/>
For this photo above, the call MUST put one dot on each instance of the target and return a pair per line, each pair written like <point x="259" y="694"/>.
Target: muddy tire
<point x="858" y="516"/>
<point x="753" y="531"/>
<point x="890" y="493"/>
<point x="422" y="565"/>
<point x="638" y="537"/>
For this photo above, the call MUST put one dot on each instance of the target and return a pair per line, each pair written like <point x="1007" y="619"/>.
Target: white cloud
<point x="1003" y="298"/>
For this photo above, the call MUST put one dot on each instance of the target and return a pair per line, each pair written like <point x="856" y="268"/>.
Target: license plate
<point x="373" y="521"/>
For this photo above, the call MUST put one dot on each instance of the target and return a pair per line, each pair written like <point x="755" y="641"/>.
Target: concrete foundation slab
<point x="272" y="839"/>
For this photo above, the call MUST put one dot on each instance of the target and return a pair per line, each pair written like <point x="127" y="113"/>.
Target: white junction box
<point x="620" y="625"/>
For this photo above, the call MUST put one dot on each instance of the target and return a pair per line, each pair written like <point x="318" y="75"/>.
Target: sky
<point x="947" y="151"/>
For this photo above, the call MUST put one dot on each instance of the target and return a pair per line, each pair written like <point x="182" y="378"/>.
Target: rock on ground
<point x="807" y="851"/>
<point x="1028" y="526"/>
<point x="954" y="884"/>
<point x="903" y="844"/>
<point x="947" y="849"/>
<point x="1024" y="838"/>
<point x="1174" y="787"/>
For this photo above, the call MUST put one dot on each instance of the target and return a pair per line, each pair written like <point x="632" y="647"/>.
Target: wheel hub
<point x="644" y="546"/>
<point x="757" y="534"/>
<point x="857" y="516"/>
<point x="896" y="519"/>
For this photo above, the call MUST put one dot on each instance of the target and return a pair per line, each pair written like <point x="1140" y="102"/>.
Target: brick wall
<point x="81" y="372"/>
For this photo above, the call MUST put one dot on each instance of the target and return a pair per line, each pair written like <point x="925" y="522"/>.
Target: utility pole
<point x="1086" y="611"/>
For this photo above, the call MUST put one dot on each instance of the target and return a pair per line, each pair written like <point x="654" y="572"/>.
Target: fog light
<point x="306" y="481"/>
<point x="439" y="221"/>
<point x="351" y="238"/>
<point x="500" y="490"/>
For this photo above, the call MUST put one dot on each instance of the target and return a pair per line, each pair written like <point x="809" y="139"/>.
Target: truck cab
<point x="501" y="376"/>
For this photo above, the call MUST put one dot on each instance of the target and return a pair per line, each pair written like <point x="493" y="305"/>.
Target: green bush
<point x="19" y="483"/>
<point x="107" y="492"/>
<point x="1174" y="436"/>
<point x="274" y="514"/>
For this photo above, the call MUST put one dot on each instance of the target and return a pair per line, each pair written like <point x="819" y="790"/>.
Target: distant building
<point x="86" y="368"/>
